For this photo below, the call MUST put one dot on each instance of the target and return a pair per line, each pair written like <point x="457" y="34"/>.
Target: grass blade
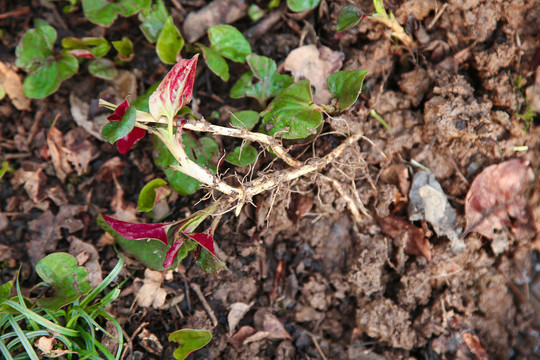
<point x="24" y="341"/>
<point x="30" y="315"/>
<point x="109" y="279"/>
<point x="4" y="351"/>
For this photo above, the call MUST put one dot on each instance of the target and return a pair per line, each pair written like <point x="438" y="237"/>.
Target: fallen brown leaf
<point x="33" y="178"/>
<point x="237" y="340"/>
<point x="112" y="167"/>
<point x="88" y="257"/>
<point x="238" y="310"/>
<point x="55" y="142"/>
<point x="79" y="150"/>
<point x="151" y="293"/>
<point x="398" y="229"/>
<point x="12" y="84"/>
<point x="122" y="210"/>
<point x="314" y="64"/>
<point x="495" y="201"/>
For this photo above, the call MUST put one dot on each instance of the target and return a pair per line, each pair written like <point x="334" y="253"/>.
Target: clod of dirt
<point x="366" y="273"/>
<point x="314" y="291"/>
<point x="383" y="320"/>
<point x="216" y="13"/>
<point x="533" y="93"/>
<point x="495" y="202"/>
<point x="314" y="64"/>
<point x="415" y="288"/>
<point x="427" y="201"/>
<point x="242" y="290"/>
<point x="415" y="84"/>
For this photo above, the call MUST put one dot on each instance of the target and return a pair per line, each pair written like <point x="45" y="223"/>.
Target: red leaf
<point x="139" y="231"/>
<point x="175" y="90"/>
<point x="171" y="254"/>
<point x="82" y="53"/>
<point x="495" y="200"/>
<point x="206" y="240"/>
<point x="127" y="142"/>
<point x="415" y="241"/>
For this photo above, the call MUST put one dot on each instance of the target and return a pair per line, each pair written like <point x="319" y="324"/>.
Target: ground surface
<point x="342" y="288"/>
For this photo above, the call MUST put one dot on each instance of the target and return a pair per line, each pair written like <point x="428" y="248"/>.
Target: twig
<point x="437" y="16"/>
<point x="17" y="12"/>
<point x="318" y="347"/>
<point x="350" y="202"/>
<point x="206" y="306"/>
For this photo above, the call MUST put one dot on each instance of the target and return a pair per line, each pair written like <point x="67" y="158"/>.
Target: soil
<point x="323" y="283"/>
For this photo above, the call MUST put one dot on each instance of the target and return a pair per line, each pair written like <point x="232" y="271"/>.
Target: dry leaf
<point x="473" y="343"/>
<point x="80" y="110"/>
<point x="79" y="150"/>
<point x="309" y="62"/>
<point x="237" y="340"/>
<point x="495" y="201"/>
<point x="151" y="293"/>
<point x="238" y="310"/>
<point x="122" y="210"/>
<point x="34" y="180"/>
<point x="215" y="13"/>
<point x="112" y="167"/>
<point x="55" y="142"/>
<point x="88" y="257"/>
<point x="11" y="82"/>
<point x="46" y="230"/>
<point x="398" y="229"/>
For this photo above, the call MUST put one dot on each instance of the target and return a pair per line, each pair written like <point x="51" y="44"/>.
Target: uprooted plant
<point x="292" y="115"/>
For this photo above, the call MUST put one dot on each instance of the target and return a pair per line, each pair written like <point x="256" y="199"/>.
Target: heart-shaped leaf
<point x="188" y="341"/>
<point x="292" y="114"/>
<point x="148" y="194"/>
<point x="67" y="280"/>
<point x="229" y="42"/>
<point x="46" y="68"/>
<point x="5" y="291"/>
<point x="116" y="130"/>
<point x="169" y="42"/>
<point x="345" y="86"/>
<point x="151" y="253"/>
<point x="348" y="17"/>
<point x="262" y="82"/>
<point x="242" y="155"/>
<point x="302" y="5"/>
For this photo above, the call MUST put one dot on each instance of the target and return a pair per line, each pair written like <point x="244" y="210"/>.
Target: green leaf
<point x="97" y="46"/>
<point x="255" y="12"/>
<point x="188" y="341"/>
<point x="262" y="82"/>
<point x="292" y="114"/>
<point x="124" y="48"/>
<point x="152" y="20"/>
<point x="345" y="86"/>
<point x="104" y="13"/>
<point x="35" y="47"/>
<point x="102" y="68"/>
<point x="45" y="79"/>
<point x="147" y="197"/>
<point x="215" y="62"/>
<point x="349" y="16"/>
<point x="169" y="43"/>
<point x="5" y="290"/>
<point x="202" y="151"/>
<point x="150" y="253"/>
<point x="242" y="155"/>
<point x="302" y="5"/>
<point x="116" y="130"/>
<point x="68" y="280"/>
<point x="229" y="42"/>
<point x="246" y="119"/>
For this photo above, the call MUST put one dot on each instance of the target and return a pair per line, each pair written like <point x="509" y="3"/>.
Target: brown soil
<point x="342" y="288"/>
